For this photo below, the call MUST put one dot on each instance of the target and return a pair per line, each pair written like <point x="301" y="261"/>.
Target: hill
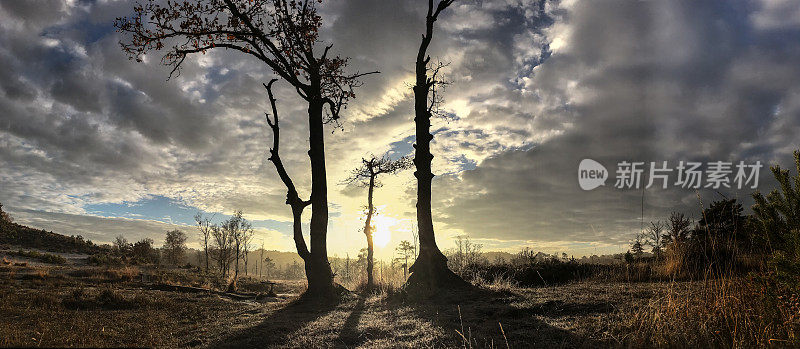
<point x="20" y="235"/>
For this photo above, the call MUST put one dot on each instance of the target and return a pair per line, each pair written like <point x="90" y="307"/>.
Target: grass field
<point x="61" y="300"/>
<point x="81" y="305"/>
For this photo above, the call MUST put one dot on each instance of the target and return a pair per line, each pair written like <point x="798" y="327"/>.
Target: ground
<point x="81" y="305"/>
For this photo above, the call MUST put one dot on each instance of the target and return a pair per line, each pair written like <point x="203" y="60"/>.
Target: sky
<point x="95" y="144"/>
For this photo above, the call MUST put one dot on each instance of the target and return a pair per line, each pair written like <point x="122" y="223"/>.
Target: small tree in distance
<point x="204" y="227"/>
<point x="4" y="216"/>
<point x="654" y="236"/>
<point x="366" y="176"/>
<point x="175" y="247"/>
<point x="406" y="252"/>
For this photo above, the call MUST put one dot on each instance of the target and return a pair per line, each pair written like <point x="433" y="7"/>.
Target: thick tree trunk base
<point x="430" y="275"/>
<point x="332" y="294"/>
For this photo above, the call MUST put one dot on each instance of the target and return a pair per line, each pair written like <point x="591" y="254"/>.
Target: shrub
<point x="39" y="256"/>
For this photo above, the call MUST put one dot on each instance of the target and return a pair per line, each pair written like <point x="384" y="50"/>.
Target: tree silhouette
<point x="282" y="35"/>
<point x="406" y="251"/>
<point x="430" y="270"/>
<point x="366" y="176"/>
<point x="175" y="247"/>
<point x="776" y="216"/>
<point x="4" y="216"/>
<point x="654" y="236"/>
<point x="204" y="228"/>
<point x="678" y="230"/>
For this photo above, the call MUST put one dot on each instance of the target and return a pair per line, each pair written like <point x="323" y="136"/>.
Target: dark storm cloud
<point x="536" y="86"/>
<point x="652" y="81"/>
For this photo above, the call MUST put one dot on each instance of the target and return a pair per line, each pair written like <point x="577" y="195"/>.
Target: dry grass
<point x="90" y="306"/>
<point x="722" y="312"/>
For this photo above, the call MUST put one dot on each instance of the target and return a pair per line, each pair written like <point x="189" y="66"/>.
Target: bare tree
<point x="204" y="227"/>
<point x="653" y="236"/>
<point x="122" y="245"/>
<point x="247" y="238"/>
<point x="678" y="230"/>
<point x="466" y="253"/>
<point x="366" y="176"/>
<point x="284" y="36"/>
<point x="261" y="260"/>
<point x="430" y="269"/>
<point x="240" y="233"/>
<point x="222" y="250"/>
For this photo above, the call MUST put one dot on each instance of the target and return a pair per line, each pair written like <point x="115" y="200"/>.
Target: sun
<point x="382" y="234"/>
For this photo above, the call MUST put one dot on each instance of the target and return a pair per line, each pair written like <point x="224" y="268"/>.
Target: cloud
<point x="536" y="86"/>
<point x="639" y="81"/>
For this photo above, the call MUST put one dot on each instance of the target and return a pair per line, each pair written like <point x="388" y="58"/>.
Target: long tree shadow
<point x="277" y="328"/>
<point x="483" y="318"/>
<point x="349" y="334"/>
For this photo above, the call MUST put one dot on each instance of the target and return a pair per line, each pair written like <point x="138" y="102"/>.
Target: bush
<point x="39" y="256"/>
<point x="106" y="298"/>
<point x="535" y="273"/>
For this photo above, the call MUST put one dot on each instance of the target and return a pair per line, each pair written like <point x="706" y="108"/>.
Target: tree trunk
<point x="206" y="245"/>
<point x="430" y="270"/>
<point x="318" y="270"/>
<point x="236" y="269"/>
<point x="368" y="231"/>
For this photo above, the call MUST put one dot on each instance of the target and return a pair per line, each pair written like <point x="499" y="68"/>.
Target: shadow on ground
<point x="278" y="327"/>
<point x="472" y="318"/>
<point x="480" y="318"/>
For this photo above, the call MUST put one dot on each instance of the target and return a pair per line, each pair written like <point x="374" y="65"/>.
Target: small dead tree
<point x="239" y="230"/>
<point x="366" y="176"/>
<point x="204" y="228"/>
<point x="653" y="236"/>
<point x="223" y="248"/>
<point x="247" y="239"/>
<point x="260" y="263"/>
<point x="678" y="230"/>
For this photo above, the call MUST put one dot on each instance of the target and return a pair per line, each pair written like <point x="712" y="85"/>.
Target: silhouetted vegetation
<point x="429" y="271"/>
<point x="20" y="235"/>
<point x="174" y="247"/>
<point x="366" y="176"/>
<point x="284" y="36"/>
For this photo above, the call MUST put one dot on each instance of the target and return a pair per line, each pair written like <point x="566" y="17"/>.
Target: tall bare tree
<point x="247" y="239"/>
<point x="366" y="176"/>
<point x="430" y="269"/>
<point x="284" y="36"/>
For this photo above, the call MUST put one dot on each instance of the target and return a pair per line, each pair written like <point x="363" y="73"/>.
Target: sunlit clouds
<point x="92" y="143"/>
